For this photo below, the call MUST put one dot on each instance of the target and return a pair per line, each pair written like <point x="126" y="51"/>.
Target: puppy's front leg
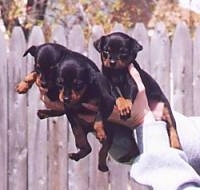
<point x="23" y="86"/>
<point x="124" y="106"/>
<point x="103" y="153"/>
<point x="99" y="127"/>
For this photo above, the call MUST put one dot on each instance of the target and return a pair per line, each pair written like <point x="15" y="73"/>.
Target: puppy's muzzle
<point x="66" y="100"/>
<point x="63" y="98"/>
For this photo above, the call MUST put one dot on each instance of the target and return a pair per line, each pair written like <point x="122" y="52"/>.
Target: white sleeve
<point x="159" y="166"/>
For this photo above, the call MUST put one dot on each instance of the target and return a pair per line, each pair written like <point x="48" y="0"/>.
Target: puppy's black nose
<point x="66" y="100"/>
<point x="112" y="62"/>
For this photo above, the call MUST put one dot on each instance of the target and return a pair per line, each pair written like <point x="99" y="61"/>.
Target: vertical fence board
<point x="116" y="171"/>
<point x="58" y="128"/>
<point x="57" y="166"/>
<point x="119" y="177"/>
<point x="78" y="171"/>
<point x="3" y="113"/>
<point x="140" y="34"/>
<point x="181" y="57"/>
<point x="58" y="35"/>
<point x="160" y="60"/>
<point x="137" y="186"/>
<point x="97" y="180"/>
<point x="17" y="115"/>
<point x="196" y="72"/>
<point x="118" y="28"/>
<point x="93" y="54"/>
<point x="76" y="40"/>
<point x="37" y="129"/>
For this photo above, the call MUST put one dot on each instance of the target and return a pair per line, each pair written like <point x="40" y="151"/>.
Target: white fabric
<point x="189" y="133"/>
<point x="165" y="168"/>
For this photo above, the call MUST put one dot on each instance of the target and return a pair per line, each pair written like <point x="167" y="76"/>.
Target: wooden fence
<point x="33" y="152"/>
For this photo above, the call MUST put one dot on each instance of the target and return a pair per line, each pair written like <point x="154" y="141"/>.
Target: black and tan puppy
<point x="80" y="85"/>
<point x="57" y="67"/>
<point x="47" y="58"/>
<point x="118" y="51"/>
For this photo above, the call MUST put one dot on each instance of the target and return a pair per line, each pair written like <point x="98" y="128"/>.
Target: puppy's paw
<point x="22" y="87"/>
<point x="124" y="106"/>
<point x="74" y="156"/>
<point x="99" y="129"/>
<point x="103" y="168"/>
<point x="42" y="114"/>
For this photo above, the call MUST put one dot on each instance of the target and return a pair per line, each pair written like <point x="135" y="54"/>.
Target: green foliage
<point x="88" y="13"/>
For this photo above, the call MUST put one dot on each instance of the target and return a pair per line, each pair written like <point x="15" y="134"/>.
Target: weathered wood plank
<point x="17" y="135"/>
<point x="57" y="166"/>
<point x="78" y="171"/>
<point x="58" y="35"/>
<point x="58" y="131"/>
<point x="37" y="129"/>
<point x="119" y="175"/>
<point x="118" y="28"/>
<point x="196" y="72"/>
<point x="141" y="35"/>
<point x="3" y="113"/>
<point x="76" y="40"/>
<point x="93" y="54"/>
<point x="181" y="57"/>
<point x="160" y="59"/>
<point x="97" y="180"/>
<point x="136" y="186"/>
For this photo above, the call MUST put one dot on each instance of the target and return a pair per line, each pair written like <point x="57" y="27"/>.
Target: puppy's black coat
<point x="118" y="51"/>
<point x="59" y="68"/>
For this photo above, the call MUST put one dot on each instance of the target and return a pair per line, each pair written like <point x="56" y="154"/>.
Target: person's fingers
<point x="43" y="90"/>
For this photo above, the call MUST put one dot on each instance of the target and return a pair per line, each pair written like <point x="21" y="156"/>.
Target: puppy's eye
<point x="60" y="82"/>
<point x="78" y="85"/>
<point x="105" y="54"/>
<point x="123" y="55"/>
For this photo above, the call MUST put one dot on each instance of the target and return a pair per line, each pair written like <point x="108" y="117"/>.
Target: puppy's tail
<point x="31" y="50"/>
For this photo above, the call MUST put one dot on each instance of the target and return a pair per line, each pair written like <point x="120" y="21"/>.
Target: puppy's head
<point x="117" y="50"/>
<point x="73" y="81"/>
<point x="46" y="58"/>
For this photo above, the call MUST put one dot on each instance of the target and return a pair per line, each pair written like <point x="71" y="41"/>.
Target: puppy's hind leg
<point x="81" y="143"/>
<point x="171" y="127"/>
<point x="103" y="153"/>
<point x="162" y="111"/>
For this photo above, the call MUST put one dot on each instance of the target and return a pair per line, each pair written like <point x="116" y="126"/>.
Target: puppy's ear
<point x="31" y="50"/>
<point x="98" y="44"/>
<point x="136" y="46"/>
